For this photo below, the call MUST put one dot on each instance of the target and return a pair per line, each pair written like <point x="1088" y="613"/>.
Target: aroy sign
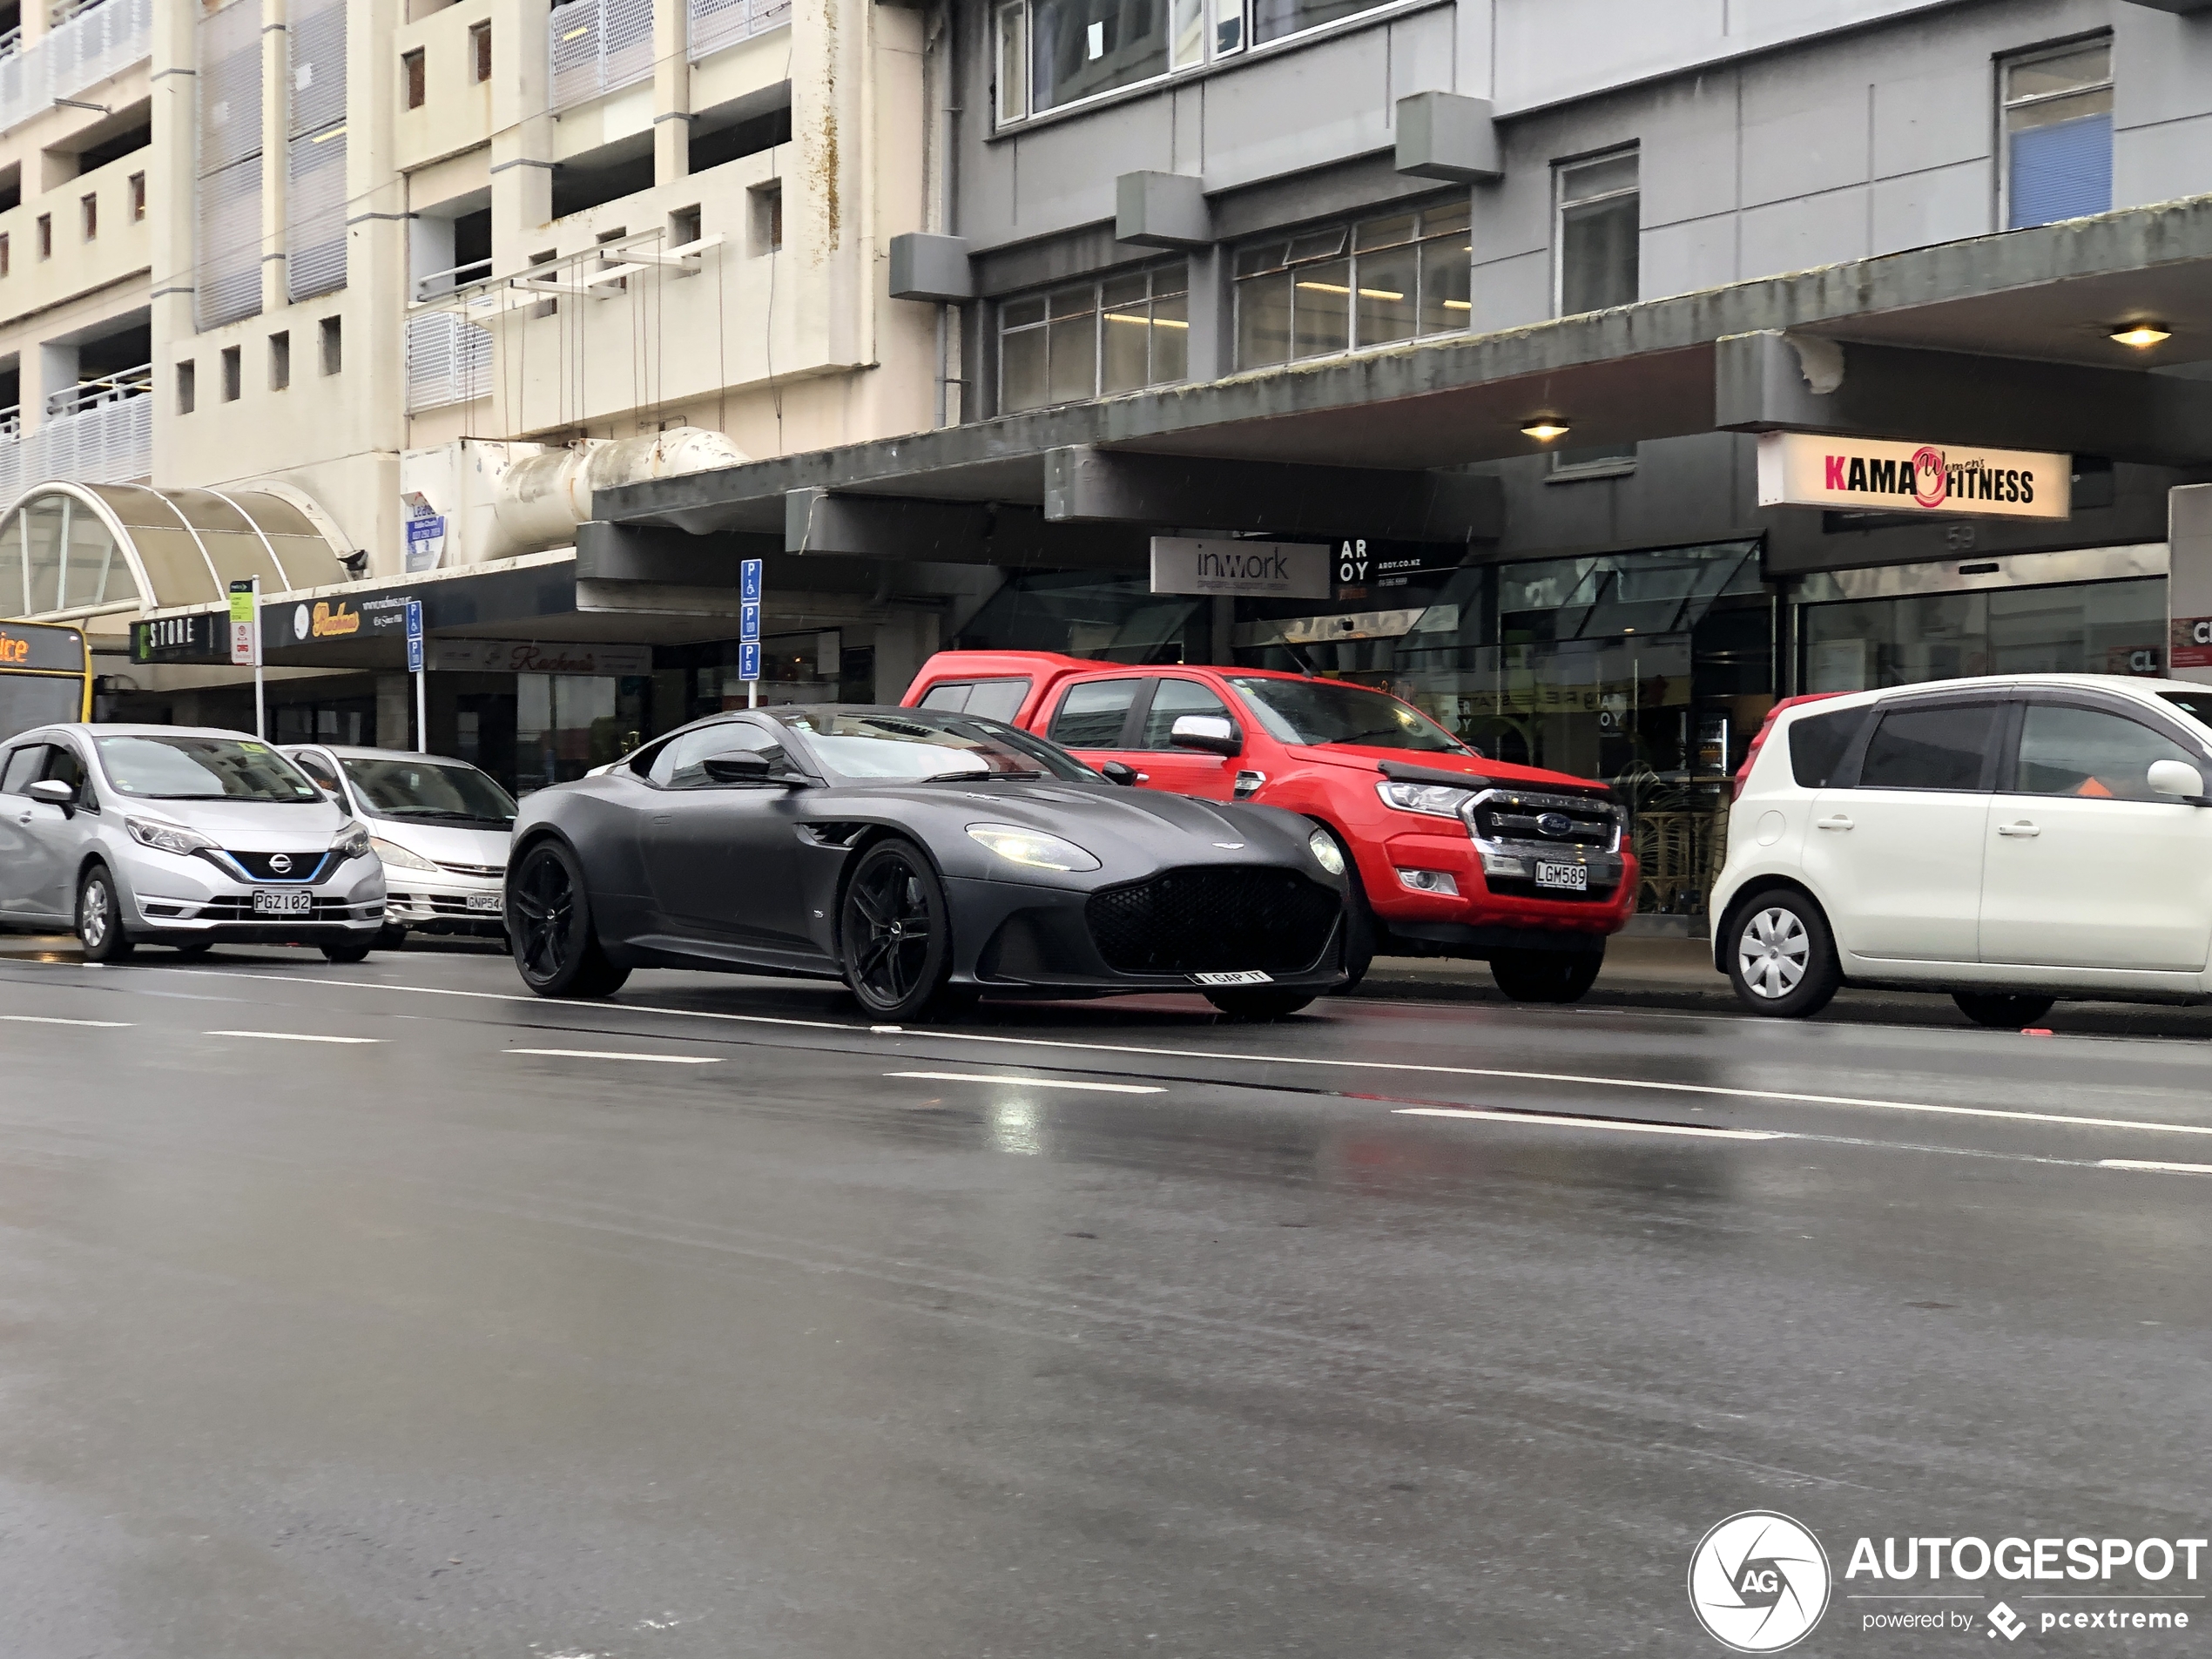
<point x="1858" y="475"/>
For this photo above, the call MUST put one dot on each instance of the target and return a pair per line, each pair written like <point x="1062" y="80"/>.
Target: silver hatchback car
<point x="180" y="836"/>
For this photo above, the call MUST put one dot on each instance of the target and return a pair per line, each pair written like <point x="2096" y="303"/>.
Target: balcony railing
<point x="98" y="432"/>
<point x="439" y="284"/>
<point x="102" y="39"/>
<point x="598" y="46"/>
<point x="717" y="24"/>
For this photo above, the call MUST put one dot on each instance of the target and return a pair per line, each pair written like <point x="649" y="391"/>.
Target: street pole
<point x="749" y="598"/>
<point x="260" y="703"/>
<point x="423" y="710"/>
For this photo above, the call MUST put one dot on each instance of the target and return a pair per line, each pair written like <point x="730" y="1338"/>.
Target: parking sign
<point x="415" y="636"/>
<point x="749" y="621"/>
<point x="749" y="660"/>
<point x="748" y="579"/>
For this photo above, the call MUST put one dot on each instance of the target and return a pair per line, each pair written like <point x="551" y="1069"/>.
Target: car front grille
<point x="241" y="909"/>
<point x="475" y="869"/>
<point x="1214" y="921"/>
<point x="300" y="867"/>
<point x="1575" y="820"/>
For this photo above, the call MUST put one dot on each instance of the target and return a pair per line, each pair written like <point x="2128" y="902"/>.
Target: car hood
<point x="1361" y="757"/>
<point x="1119" y="826"/>
<point x="442" y="843"/>
<point x="248" y="826"/>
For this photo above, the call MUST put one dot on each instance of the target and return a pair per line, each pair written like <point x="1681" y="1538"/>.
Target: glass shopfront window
<point x="566" y="723"/>
<point x="2116" y="627"/>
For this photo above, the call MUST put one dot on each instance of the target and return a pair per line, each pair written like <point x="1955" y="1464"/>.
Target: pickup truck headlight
<point x="395" y="857"/>
<point x="1438" y="800"/>
<point x="351" y="842"/>
<point x="167" y="837"/>
<point x="1032" y="847"/>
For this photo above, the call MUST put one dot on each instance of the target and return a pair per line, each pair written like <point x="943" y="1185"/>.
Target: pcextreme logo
<point x="1758" y="1582"/>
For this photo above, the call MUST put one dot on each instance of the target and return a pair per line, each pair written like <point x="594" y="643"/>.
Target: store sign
<point x="426" y="533"/>
<point x="1241" y="569"/>
<point x="1361" y="566"/>
<point x="1858" y="474"/>
<point x="2191" y="644"/>
<point x="191" y="638"/>
<point x="528" y="657"/>
<point x="245" y="623"/>
<point x="325" y="619"/>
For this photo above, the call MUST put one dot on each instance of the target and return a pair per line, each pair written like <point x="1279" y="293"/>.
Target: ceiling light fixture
<point x="1544" y="428"/>
<point x="2141" y="335"/>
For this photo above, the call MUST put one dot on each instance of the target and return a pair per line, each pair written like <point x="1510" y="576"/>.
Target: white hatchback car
<point x="441" y="826"/>
<point x="2012" y="841"/>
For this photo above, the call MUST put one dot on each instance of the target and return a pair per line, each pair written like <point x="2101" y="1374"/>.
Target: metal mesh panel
<point x="448" y="360"/>
<point x="1205" y="922"/>
<point x="598" y="46"/>
<point x="230" y="87"/>
<point x="227" y="273"/>
<point x="717" y="24"/>
<point x="316" y="42"/>
<point x="108" y="442"/>
<point x="314" y="209"/>
<point x="92" y="44"/>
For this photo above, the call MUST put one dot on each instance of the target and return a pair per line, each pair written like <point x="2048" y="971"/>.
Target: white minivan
<point x="2011" y="840"/>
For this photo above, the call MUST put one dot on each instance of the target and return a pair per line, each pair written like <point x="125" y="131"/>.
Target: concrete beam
<point x="1161" y="210"/>
<point x="1771" y="381"/>
<point x="1442" y="135"/>
<point x="1202" y="492"/>
<point x="907" y="529"/>
<point x="608" y="552"/>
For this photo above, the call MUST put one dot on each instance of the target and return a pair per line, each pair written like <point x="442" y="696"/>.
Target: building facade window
<point x="1095" y="338"/>
<point x="1372" y="283"/>
<point x="1594" y="238"/>
<point x="137" y="196"/>
<point x="480" y="50"/>
<point x="88" y="209"/>
<point x="415" y="78"/>
<point x="45" y="228"/>
<point x="1052" y="53"/>
<point x="2058" y="134"/>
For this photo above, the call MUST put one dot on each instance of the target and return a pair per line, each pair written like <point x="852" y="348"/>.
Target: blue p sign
<point x="749" y="660"/>
<point x="748" y="579"/>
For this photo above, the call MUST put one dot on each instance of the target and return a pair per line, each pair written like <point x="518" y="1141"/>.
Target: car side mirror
<point x="1211" y="733"/>
<point x="54" y="793"/>
<point x="2167" y="778"/>
<point x="1116" y="771"/>
<point x="737" y="767"/>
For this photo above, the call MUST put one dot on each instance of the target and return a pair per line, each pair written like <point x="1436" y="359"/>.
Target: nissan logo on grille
<point x="281" y="862"/>
<point x="1555" y="823"/>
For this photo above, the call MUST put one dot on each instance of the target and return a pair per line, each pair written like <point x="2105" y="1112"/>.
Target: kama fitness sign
<point x="1855" y="474"/>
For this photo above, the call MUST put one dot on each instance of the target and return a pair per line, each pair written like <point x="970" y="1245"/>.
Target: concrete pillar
<point x="394" y="710"/>
<point x="522" y="141"/>
<point x="58" y="372"/>
<point x="904" y="641"/>
<point x="2188" y="581"/>
<point x="672" y="92"/>
<point x="276" y="104"/>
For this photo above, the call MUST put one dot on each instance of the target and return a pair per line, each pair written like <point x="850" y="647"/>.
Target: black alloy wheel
<point x="353" y="950"/>
<point x="1360" y="927"/>
<point x="1779" y="954"/>
<point x="1546" y="975"/>
<point x="894" y="933"/>
<point x="1256" y="1007"/>
<point x="99" y="918"/>
<point x="550" y="930"/>
<point x="2002" y="1010"/>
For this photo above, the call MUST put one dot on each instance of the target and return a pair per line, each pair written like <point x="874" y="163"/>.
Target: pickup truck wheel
<point x="1546" y="975"/>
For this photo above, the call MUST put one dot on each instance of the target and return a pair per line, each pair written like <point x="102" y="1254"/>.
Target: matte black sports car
<point x="925" y="858"/>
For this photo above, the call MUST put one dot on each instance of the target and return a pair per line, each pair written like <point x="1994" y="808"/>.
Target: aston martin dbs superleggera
<point x="925" y="858"/>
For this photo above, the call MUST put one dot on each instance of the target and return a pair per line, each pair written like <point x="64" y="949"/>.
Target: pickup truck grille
<point x="1214" y="921"/>
<point x="1542" y="820"/>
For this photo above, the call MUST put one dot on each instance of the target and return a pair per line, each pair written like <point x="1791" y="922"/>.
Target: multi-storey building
<point x="337" y="294"/>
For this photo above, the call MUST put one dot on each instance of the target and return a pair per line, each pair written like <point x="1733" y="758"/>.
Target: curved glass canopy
<point x="67" y="549"/>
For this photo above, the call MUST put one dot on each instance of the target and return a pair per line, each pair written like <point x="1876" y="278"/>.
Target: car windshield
<point x="446" y="791"/>
<point x="182" y="768"/>
<point x="921" y="744"/>
<point x="1319" y="712"/>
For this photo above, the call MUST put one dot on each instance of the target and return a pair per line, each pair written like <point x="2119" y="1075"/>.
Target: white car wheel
<point x="1772" y="952"/>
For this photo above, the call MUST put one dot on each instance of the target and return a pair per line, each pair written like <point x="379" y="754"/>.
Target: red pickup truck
<point x="1453" y="854"/>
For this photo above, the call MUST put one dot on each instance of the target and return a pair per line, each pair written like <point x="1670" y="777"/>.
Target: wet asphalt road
<point x="713" y="1322"/>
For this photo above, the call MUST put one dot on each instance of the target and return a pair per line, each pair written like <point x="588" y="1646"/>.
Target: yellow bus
<point x="46" y="676"/>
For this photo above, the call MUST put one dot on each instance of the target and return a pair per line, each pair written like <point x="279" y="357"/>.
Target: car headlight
<point x="395" y="857"/>
<point x="1438" y="800"/>
<point x="1326" y="853"/>
<point x="1032" y="847"/>
<point x="351" y="842"/>
<point x="167" y="837"/>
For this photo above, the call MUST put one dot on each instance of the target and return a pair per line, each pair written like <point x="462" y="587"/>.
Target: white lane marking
<point x="615" y="1054"/>
<point x="43" y="1019"/>
<point x="1709" y="1091"/>
<point x="1032" y="1082"/>
<point x="2147" y="1164"/>
<point x="1594" y="1122"/>
<point x="288" y="1036"/>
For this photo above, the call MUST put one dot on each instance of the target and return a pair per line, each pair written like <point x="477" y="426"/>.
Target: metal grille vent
<point x="598" y="46"/>
<point x="227" y="210"/>
<point x="448" y="360"/>
<point x="1213" y="922"/>
<point x="717" y="24"/>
